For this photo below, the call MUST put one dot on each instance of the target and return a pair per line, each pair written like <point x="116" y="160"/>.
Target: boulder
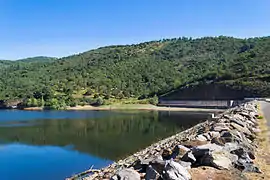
<point x="218" y="159"/>
<point x="247" y="115"/>
<point x="207" y="136"/>
<point x="193" y="143"/>
<point x="256" y="130"/>
<point x="254" y="114"/>
<point x="179" y="151"/>
<point x="213" y="134"/>
<point x="240" y="123"/>
<point x="211" y="147"/>
<point x="223" y="159"/>
<point x="142" y="164"/>
<point x="126" y="174"/>
<point x="166" y="154"/>
<point x="151" y="173"/>
<point x="189" y="157"/>
<point x="233" y="136"/>
<point x="201" y="137"/>
<point x="184" y="148"/>
<point x="219" y="141"/>
<point x="231" y="146"/>
<point x="158" y="165"/>
<point x="186" y="165"/>
<point x="239" y="117"/>
<point x="174" y="171"/>
<point x="246" y="167"/>
<point x="240" y="128"/>
<point x="218" y="127"/>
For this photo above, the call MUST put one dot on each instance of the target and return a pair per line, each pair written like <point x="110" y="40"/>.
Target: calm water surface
<point x="56" y="144"/>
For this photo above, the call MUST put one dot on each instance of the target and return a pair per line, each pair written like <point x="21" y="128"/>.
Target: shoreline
<point x="147" y="107"/>
<point x="218" y="137"/>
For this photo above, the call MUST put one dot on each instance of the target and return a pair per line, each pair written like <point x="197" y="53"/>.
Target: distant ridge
<point x="37" y="59"/>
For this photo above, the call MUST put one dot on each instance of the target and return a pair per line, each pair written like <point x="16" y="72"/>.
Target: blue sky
<point x="64" y="27"/>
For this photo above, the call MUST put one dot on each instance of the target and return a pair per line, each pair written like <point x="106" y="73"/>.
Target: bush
<point x="154" y="100"/>
<point x="89" y="92"/>
<point x="55" y="104"/>
<point x="73" y="104"/>
<point x="99" y="101"/>
<point x="82" y="103"/>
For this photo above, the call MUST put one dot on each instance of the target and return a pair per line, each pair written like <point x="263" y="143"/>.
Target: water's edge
<point x="245" y="112"/>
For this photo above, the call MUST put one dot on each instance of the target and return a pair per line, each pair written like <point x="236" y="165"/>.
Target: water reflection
<point x="87" y="138"/>
<point x="19" y="161"/>
<point x="109" y="137"/>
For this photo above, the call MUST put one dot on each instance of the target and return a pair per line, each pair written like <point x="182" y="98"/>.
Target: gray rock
<point x="251" y="123"/>
<point x="256" y="130"/>
<point x="189" y="157"/>
<point x="227" y="116"/>
<point x="207" y="136"/>
<point x="219" y="141"/>
<point x="218" y="159"/>
<point x="179" y="151"/>
<point x="174" y="171"/>
<point x="201" y="137"/>
<point x="198" y="153"/>
<point x="186" y="165"/>
<point x="239" y="117"/>
<point x="115" y="177"/>
<point x="220" y="127"/>
<point x="166" y="154"/>
<point x="232" y="136"/>
<point x="213" y="134"/>
<point x="126" y="174"/>
<point x="223" y="159"/>
<point x="231" y="147"/>
<point x="240" y="123"/>
<point x="245" y="114"/>
<point x="184" y="148"/>
<point x="240" y="128"/>
<point x="245" y="162"/>
<point x="148" y="160"/>
<point x="254" y="114"/>
<point x="158" y="165"/>
<point x="142" y="164"/>
<point x="211" y="147"/>
<point x="151" y="173"/>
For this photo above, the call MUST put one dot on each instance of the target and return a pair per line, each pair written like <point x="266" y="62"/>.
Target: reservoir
<point x="57" y="144"/>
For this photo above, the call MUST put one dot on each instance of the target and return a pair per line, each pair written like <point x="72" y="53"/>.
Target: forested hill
<point x="142" y="70"/>
<point x="37" y="59"/>
<point x="5" y="63"/>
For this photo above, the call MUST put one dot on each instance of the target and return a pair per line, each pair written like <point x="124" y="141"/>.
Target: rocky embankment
<point x="225" y="146"/>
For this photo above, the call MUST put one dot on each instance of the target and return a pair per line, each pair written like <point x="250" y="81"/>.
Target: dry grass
<point x="262" y="153"/>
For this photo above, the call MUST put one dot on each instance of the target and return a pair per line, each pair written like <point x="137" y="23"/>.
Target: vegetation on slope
<point x="140" y="71"/>
<point x="37" y="59"/>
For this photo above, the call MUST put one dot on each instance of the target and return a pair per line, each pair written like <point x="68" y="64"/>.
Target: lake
<point x="57" y="144"/>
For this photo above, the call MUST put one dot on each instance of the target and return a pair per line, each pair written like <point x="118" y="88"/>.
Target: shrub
<point x="154" y="100"/>
<point x="99" y="101"/>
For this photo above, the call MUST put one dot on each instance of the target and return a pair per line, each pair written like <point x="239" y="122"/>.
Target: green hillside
<point x="141" y="71"/>
<point x="38" y="59"/>
<point x="5" y="63"/>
